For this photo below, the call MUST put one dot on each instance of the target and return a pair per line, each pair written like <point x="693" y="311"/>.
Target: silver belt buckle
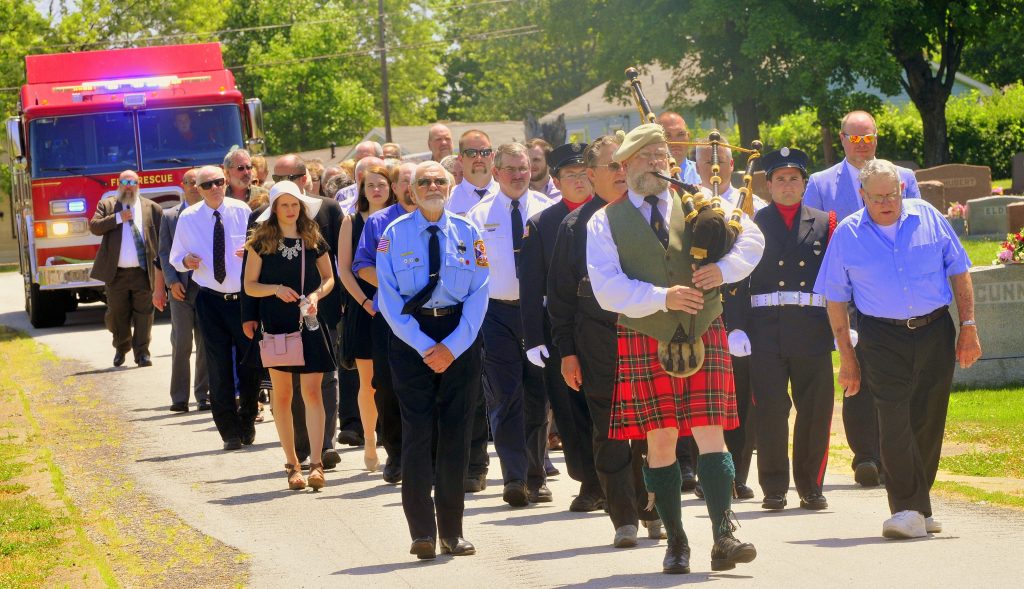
<point x="789" y="298"/>
<point x="434" y="312"/>
<point x="909" y="326"/>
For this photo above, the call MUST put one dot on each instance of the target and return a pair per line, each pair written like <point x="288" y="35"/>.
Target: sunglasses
<point x="614" y="167"/>
<point x="211" y="183"/>
<point x="244" y="168"/>
<point x="868" y="139"/>
<point x="128" y="182"/>
<point x="432" y="181"/>
<point x="471" y="153"/>
<point x="289" y="177"/>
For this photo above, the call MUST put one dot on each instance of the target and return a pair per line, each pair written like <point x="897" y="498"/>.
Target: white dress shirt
<point x="493" y="217"/>
<point x="464" y="196"/>
<point x="619" y="293"/>
<point x="194" y="235"/>
<point x="128" y="257"/>
<point x="347" y="198"/>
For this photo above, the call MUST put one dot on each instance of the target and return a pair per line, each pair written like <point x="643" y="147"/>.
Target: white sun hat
<point x="312" y="203"/>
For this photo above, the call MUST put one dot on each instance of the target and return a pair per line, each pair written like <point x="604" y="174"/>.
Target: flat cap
<point x="570" y="154"/>
<point x="639" y="138"/>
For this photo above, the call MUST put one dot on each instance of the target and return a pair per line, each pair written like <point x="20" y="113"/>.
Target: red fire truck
<point x="85" y="117"/>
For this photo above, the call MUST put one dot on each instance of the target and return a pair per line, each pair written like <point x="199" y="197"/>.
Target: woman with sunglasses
<point x="375" y="194"/>
<point x="285" y="248"/>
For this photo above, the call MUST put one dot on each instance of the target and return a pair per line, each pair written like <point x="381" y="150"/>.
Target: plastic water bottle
<point x="312" y="323"/>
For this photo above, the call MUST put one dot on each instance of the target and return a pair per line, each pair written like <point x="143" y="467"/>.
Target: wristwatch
<point x="968" y="322"/>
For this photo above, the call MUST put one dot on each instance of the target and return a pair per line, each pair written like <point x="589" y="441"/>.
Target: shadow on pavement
<point x="103" y="370"/>
<point x="848" y="542"/>
<point x="658" y="580"/>
<point x="544" y="517"/>
<point x="252" y="498"/>
<point x="383" y="569"/>
<point x="789" y="512"/>
<point x="374" y="491"/>
<point x="577" y="551"/>
<point x="211" y="451"/>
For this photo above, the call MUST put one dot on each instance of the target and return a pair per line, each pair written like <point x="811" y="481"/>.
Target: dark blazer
<point x="168" y="225"/>
<point x="534" y="260"/>
<point x="791" y="260"/>
<point x="328" y="218"/>
<point x="104" y="223"/>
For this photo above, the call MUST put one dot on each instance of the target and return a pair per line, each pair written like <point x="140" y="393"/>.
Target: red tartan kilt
<point x="647" y="398"/>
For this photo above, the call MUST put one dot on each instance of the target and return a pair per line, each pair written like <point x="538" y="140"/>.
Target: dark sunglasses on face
<point x="244" y="168"/>
<point x="428" y="181"/>
<point x="211" y="183"/>
<point x="289" y="177"/>
<point x="471" y="153"/>
<point x="127" y="182"/>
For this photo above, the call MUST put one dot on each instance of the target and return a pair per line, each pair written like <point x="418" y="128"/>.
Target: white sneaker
<point x="905" y="524"/>
<point x="932" y="526"/>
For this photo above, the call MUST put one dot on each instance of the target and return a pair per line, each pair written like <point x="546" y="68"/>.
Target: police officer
<point x="790" y="338"/>
<point x="433" y="274"/>
<point x="570" y="411"/>
<point x="516" y="402"/>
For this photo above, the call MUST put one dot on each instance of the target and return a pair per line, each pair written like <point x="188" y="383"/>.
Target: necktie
<point x="140" y="246"/>
<point x="657" y="221"/>
<point x="434" y="265"/>
<point x="517" y="232"/>
<point x="219" y="269"/>
<point x="480" y="192"/>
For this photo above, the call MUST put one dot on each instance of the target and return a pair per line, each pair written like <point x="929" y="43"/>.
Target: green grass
<point x="994" y="418"/>
<point x="981" y="251"/>
<point x="977" y="495"/>
<point x="1005" y="183"/>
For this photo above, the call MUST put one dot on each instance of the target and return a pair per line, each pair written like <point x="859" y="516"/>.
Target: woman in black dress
<point x="285" y="238"/>
<point x="375" y="194"/>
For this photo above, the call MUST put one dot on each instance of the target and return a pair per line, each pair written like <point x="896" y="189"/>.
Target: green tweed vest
<point x="643" y="258"/>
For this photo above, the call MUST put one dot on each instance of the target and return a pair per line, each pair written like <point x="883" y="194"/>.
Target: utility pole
<point x="382" y="50"/>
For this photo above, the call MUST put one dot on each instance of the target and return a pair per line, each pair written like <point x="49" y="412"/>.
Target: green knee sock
<point x="717" y="472"/>
<point x="665" y="482"/>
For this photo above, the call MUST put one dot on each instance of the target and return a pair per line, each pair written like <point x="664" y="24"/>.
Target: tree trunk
<point x="748" y="119"/>
<point x="929" y="92"/>
<point x="828" y="150"/>
<point x="936" y="141"/>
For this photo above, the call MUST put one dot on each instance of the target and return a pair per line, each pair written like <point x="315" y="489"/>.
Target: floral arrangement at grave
<point x="956" y="211"/>
<point x="1012" y="250"/>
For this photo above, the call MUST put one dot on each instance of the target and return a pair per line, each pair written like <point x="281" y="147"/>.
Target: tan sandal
<point x="316" y="476"/>
<point x="295" y="480"/>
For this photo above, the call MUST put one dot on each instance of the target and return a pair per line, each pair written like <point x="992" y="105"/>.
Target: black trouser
<point x="814" y="398"/>
<point x="389" y="419"/>
<point x="329" y="391"/>
<point x="572" y="417"/>
<point x="625" y="494"/>
<point x="221" y="323"/>
<point x="428" y="400"/>
<point x="348" y="392"/>
<point x="860" y="417"/>
<point x="910" y="372"/>
<point x="741" y="441"/>
<point x="479" y="459"/>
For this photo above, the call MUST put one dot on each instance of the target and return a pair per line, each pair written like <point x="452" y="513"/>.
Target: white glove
<point x="739" y="343"/>
<point x="536" y="355"/>
<point x="854" y="338"/>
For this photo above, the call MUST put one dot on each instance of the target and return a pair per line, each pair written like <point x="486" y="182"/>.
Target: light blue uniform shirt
<point x="403" y="269"/>
<point x="688" y="172"/>
<point x="908" y="278"/>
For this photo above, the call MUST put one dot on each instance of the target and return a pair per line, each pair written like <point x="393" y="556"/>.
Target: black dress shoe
<point x="698" y="490"/>
<point x="515" y="494"/>
<point x="741" y="491"/>
<point x="774" y="501"/>
<point x="250" y="434"/>
<point x="351" y="438"/>
<point x="423" y="548"/>
<point x="814" y="501"/>
<point x="330" y="458"/>
<point x="118" y="358"/>
<point x="232" y="444"/>
<point x="457" y="547"/>
<point x="392" y="471"/>
<point x="143" y="361"/>
<point x="203" y="406"/>
<point x="585" y="502"/>
<point x="179" y="407"/>
<point x="689" y="481"/>
<point x="541" y="494"/>
<point x="728" y="552"/>
<point x="866" y="474"/>
<point x="677" y="558"/>
<point x="475" y="483"/>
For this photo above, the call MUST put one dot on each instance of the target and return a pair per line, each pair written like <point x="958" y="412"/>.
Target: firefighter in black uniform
<point x="570" y="411"/>
<point x="790" y="337"/>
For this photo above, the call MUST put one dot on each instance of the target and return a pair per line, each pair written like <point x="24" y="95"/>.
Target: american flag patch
<point x="384" y="245"/>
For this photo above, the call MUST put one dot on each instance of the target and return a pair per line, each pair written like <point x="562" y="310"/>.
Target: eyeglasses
<point x="471" y="153"/>
<point x="188" y="182"/>
<point x="868" y="139"/>
<point x="127" y="182"/>
<point x="244" y="168"/>
<point x="424" y="182"/>
<point x="289" y="177"/>
<point x="654" y="156"/>
<point x="573" y="177"/>
<point x="211" y="183"/>
<point x="509" y="170"/>
<point x="877" y="200"/>
<point x="614" y="167"/>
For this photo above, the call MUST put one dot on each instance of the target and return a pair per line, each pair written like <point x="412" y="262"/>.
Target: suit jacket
<point x="104" y="223"/>
<point x="831" y="190"/>
<point x="168" y="225"/>
<point x="792" y="258"/>
<point x="534" y="260"/>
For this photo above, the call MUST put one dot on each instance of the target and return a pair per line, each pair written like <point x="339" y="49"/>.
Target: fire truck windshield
<point x="82" y="144"/>
<point x="195" y="135"/>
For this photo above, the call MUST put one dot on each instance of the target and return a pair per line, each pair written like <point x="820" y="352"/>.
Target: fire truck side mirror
<point x="254" y="113"/>
<point x="15" y="144"/>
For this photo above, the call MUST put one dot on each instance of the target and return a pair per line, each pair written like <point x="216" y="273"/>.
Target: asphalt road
<point x="353" y="533"/>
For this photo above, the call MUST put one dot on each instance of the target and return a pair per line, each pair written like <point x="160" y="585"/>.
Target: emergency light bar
<point x="151" y="83"/>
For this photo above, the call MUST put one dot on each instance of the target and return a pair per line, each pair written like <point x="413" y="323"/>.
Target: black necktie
<point x="140" y="246"/>
<point x="480" y="192"/>
<point x="434" y="265"/>
<point x="657" y="221"/>
<point x="219" y="265"/>
<point x="517" y="232"/>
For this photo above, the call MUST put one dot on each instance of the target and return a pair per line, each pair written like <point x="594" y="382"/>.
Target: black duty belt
<point x="227" y="296"/>
<point x="507" y="303"/>
<point x="914" y="322"/>
<point x="439" y="311"/>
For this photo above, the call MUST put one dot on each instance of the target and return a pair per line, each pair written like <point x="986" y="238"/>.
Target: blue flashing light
<point x="76" y="206"/>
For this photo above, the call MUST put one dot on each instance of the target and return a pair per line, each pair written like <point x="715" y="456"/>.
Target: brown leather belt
<point x="514" y="303"/>
<point x="439" y="311"/>
<point x="914" y="322"/>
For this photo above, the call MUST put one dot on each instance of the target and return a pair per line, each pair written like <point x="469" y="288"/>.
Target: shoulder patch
<point x="480" y="252"/>
<point x="384" y="245"/>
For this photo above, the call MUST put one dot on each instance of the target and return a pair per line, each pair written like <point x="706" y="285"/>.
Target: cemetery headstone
<point x="988" y="215"/>
<point x="962" y="182"/>
<point x="935" y="193"/>
<point x="1015" y="215"/>
<point x="1018" y="174"/>
<point x="999" y="311"/>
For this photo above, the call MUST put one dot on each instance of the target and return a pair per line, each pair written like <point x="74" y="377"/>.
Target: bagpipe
<point x="712" y="235"/>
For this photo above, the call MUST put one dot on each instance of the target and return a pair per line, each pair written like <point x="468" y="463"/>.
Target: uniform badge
<point x="384" y="245"/>
<point x="816" y="247"/>
<point x="461" y="248"/>
<point x="480" y="252"/>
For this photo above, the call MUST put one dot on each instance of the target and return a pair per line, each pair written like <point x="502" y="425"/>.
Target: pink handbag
<point x="285" y="349"/>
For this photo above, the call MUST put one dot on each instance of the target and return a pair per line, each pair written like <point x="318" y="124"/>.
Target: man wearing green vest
<point x="640" y="266"/>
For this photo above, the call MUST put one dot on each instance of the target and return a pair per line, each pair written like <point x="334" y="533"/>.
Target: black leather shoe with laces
<point x="728" y="551"/>
<point x="677" y="558"/>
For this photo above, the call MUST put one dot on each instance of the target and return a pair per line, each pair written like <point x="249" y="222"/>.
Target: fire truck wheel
<point x="46" y="309"/>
